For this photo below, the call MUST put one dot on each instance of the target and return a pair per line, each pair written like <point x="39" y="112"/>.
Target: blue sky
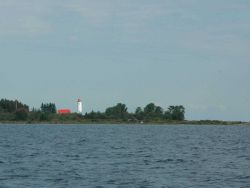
<point x="170" y="52"/>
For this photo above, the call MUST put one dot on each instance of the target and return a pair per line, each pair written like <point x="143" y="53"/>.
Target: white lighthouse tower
<point x="79" y="106"/>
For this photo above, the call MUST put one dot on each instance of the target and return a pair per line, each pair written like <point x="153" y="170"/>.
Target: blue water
<point x="124" y="156"/>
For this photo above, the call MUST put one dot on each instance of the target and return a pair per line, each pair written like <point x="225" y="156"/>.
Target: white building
<point x="79" y="106"/>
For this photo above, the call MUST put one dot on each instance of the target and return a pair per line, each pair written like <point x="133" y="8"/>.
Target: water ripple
<point x="124" y="156"/>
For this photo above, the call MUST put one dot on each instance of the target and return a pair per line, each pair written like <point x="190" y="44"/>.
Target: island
<point x="13" y="111"/>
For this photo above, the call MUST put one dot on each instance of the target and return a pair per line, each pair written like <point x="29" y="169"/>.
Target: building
<point x="64" y="111"/>
<point x="79" y="106"/>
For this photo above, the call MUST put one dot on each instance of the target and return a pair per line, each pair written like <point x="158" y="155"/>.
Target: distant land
<point x="15" y="112"/>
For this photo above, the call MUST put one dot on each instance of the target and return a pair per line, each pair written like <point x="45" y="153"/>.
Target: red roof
<point x="64" y="111"/>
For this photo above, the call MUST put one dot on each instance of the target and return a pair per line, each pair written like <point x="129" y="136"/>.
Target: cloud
<point x="203" y="107"/>
<point x="101" y="13"/>
<point x="25" y="25"/>
<point x="96" y="12"/>
<point x="191" y="22"/>
<point x="24" y="17"/>
<point x="216" y="43"/>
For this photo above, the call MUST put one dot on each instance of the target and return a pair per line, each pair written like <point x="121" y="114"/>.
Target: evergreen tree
<point x="21" y="114"/>
<point x="48" y="108"/>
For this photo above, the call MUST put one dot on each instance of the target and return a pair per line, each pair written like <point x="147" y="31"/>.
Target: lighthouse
<point x="79" y="106"/>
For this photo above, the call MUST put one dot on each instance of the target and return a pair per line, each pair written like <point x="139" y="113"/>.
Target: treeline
<point x="12" y="105"/>
<point x="13" y="110"/>
<point x="150" y="112"/>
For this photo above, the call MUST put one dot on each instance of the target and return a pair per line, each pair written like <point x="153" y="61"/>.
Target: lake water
<point x="72" y="156"/>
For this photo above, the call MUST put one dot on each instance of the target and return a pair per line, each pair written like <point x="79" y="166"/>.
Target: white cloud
<point x="130" y="16"/>
<point x="95" y="12"/>
<point x="25" y="25"/>
<point x="203" y="107"/>
<point x="24" y="17"/>
<point x="216" y="43"/>
<point x="129" y="13"/>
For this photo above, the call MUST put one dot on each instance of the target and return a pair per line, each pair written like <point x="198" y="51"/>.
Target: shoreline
<point x="98" y="122"/>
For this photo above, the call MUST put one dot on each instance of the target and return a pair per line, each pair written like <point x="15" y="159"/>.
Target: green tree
<point x="44" y="116"/>
<point x="118" y="111"/>
<point x="158" y="111"/>
<point x="151" y="111"/>
<point x="176" y="112"/>
<point x="138" y="110"/>
<point x="21" y="114"/>
<point x="34" y="115"/>
<point x="48" y="108"/>
<point x="94" y="115"/>
<point x="167" y="115"/>
<point x="12" y="105"/>
<point x="139" y="114"/>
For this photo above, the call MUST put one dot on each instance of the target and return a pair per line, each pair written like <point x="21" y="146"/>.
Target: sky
<point x="194" y="53"/>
